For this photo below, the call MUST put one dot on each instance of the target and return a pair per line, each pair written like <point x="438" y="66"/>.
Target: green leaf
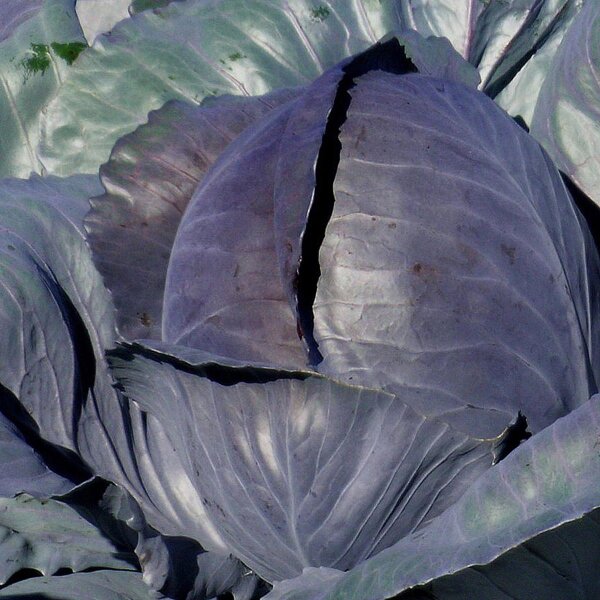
<point x="47" y="535"/>
<point x="566" y="120"/>
<point x="558" y="564"/>
<point x="138" y="6"/>
<point x="191" y="50"/>
<point x="99" y="16"/>
<point x="34" y="60"/>
<point x="56" y="316"/>
<point x="101" y="585"/>
<point x="500" y="37"/>
<point x="22" y="469"/>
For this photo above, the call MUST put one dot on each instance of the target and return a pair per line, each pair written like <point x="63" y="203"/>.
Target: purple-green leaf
<point x="566" y="116"/>
<point x="149" y="180"/>
<point x="549" y="484"/>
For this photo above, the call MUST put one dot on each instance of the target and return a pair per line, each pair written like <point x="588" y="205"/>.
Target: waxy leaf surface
<point x="149" y="181"/>
<point x="47" y="535"/>
<point x="31" y="71"/>
<point x="557" y="564"/>
<point x="15" y="13"/>
<point x="499" y="38"/>
<point x="100" y="16"/>
<point x="566" y="116"/>
<point x="451" y="246"/>
<point x="22" y="469"/>
<point x="100" y="585"/>
<point x="179" y="567"/>
<point x="56" y="315"/>
<point x="548" y="487"/>
<point x="194" y="49"/>
<point x="223" y="292"/>
<point x="266" y="449"/>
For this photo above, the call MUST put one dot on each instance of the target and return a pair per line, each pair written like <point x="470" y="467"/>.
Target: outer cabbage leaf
<point x="499" y="38"/>
<point x="509" y="34"/>
<point x="56" y="315"/>
<point x="477" y="292"/>
<point x="567" y="113"/>
<point x="140" y="5"/>
<point x="15" y="13"/>
<point x="57" y="322"/>
<point x="47" y="535"/>
<point x="560" y="563"/>
<point x="100" y="16"/>
<point x="193" y="49"/>
<point x="517" y="519"/>
<point x="100" y="585"/>
<point x="294" y="469"/>
<point x="22" y="469"/>
<point x="124" y="444"/>
<point x="519" y="97"/>
<point x="178" y="566"/>
<point x="149" y="180"/>
<point x="68" y="196"/>
<point x="37" y="41"/>
<point x="456" y="21"/>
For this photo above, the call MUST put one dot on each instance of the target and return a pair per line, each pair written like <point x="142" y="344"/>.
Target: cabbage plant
<point x="299" y="300"/>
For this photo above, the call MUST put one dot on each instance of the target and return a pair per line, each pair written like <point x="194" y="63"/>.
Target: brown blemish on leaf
<point x="145" y="319"/>
<point x="510" y="251"/>
<point x="361" y="137"/>
<point x="470" y="254"/>
<point x="424" y="271"/>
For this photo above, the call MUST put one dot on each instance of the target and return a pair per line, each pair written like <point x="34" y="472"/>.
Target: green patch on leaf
<point x="141" y="5"/>
<point x="39" y="57"/>
<point x="68" y="51"/>
<point x="38" y="61"/>
<point x="236" y="56"/>
<point x="319" y="13"/>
